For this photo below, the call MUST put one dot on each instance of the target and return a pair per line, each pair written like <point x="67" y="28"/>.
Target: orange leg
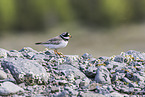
<point x="56" y="52"/>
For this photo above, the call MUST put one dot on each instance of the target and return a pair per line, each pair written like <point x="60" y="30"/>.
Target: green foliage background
<point x="26" y="15"/>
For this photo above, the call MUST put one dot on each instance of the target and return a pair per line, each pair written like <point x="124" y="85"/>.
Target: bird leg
<point x="56" y="52"/>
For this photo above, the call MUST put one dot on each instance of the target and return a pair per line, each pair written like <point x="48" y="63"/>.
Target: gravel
<point x="32" y="73"/>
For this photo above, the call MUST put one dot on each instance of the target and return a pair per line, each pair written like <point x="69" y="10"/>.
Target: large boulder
<point x="8" y="88"/>
<point x="24" y="69"/>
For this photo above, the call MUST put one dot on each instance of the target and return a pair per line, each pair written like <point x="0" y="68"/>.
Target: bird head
<point x="65" y="36"/>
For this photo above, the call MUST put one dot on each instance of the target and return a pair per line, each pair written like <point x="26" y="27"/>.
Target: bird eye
<point x="66" y="33"/>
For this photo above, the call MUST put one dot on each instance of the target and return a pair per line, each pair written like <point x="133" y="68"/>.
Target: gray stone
<point x="82" y="67"/>
<point x="70" y="70"/>
<point x="28" y="52"/>
<point x="8" y="88"/>
<point x="15" y="54"/>
<point x="139" y="68"/>
<point x="91" y="94"/>
<point x="3" y="53"/>
<point x="77" y="82"/>
<point x="136" y="55"/>
<point x="120" y="59"/>
<point x="104" y="58"/>
<point x="121" y="75"/>
<point x="92" y="86"/>
<point x="119" y="83"/>
<point x="109" y="67"/>
<point x="125" y="90"/>
<point x="72" y="60"/>
<point x="68" y="88"/>
<point x="141" y="84"/>
<point x="116" y="94"/>
<point x="114" y="78"/>
<point x="39" y="95"/>
<point x="39" y="57"/>
<point x="61" y="94"/>
<point x="92" y="60"/>
<point x="72" y="57"/>
<point x="74" y="93"/>
<point x="102" y="75"/>
<point x="128" y="90"/>
<point x="27" y="49"/>
<point x="119" y="65"/>
<point x="136" y="63"/>
<point x="86" y="80"/>
<point x="86" y="56"/>
<point x="91" y="71"/>
<point x="137" y="77"/>
<point x="55" y="89"/>
<point x="71" y="91"/>
<point x="25" y="69"/>
<point x="102" y="90"/>
<point x="49" y="52"/>
<point x="133" y="85"/>
<point x="118" y="76"/>
<point x="83" y="83"/>
<point x="3" y="75"/>
<point x="110" y="88"/>
<point x="71" y="77"/>
<point x="126" y="80"/>
<point x="8" y="79"/>
<point x="30" y="55"/>
<point x="137" y="89"/>
<point x="62" y="82"/>
<point x="22" y="85"/>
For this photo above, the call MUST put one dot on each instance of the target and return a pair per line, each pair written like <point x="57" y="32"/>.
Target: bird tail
<point x="38" y="43"/>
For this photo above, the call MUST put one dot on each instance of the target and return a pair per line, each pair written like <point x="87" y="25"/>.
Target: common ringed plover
<point x="57" y="42"/>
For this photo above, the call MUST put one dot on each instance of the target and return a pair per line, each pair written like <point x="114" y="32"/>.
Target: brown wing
<point x="55" y="40"/>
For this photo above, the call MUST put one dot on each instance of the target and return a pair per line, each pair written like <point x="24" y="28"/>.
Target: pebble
<point x="3" y="75"/>
<point x="102" y="75"/>
<point x="54" y="89"/>
<point x="3" y="53"/>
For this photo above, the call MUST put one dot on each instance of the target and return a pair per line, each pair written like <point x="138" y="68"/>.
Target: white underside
<point x="53" y="46"/>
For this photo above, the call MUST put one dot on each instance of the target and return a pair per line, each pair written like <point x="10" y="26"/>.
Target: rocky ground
<point x="31" y="73"/>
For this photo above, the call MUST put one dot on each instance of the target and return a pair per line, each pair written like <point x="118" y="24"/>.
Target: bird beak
<point x="70" y="36"/>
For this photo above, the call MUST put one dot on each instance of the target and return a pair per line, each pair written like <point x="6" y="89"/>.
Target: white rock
<point x="3" y="75"/>
<point x="3" y="53"/>
<point x="116" y="94"/>
<point x="9" y="88"/>
<point x="102" y="75"/>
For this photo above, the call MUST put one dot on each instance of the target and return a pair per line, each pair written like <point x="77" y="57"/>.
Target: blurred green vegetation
<point x="33" y="15"/>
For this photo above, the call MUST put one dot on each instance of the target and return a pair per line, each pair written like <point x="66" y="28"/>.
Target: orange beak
<point x="70" y="36"/>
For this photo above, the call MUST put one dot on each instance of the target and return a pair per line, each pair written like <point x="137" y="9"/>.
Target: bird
<point x="57" y="42"/>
